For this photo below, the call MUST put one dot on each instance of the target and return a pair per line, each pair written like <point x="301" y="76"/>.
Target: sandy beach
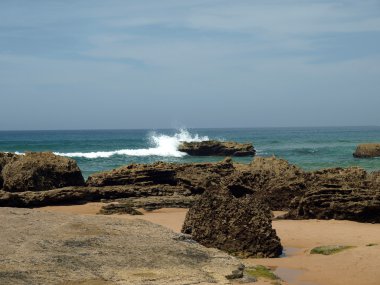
<point x="354" y="266"/>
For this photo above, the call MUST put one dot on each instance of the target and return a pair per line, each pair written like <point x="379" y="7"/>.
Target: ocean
<point x="98" y="150"/>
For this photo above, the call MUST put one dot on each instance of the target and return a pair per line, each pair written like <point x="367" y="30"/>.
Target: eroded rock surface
<point x="41" y="248"/>
<point x="5" y="158"/>
<point x="218" y="148"/>
<point x="39" y="171"/>
<point x="342" y="194"/>
<point x="235" y="222"/>
<point x="276" y="182"/>
<point x="367" y="150"/>
<point x="191" y="178"/>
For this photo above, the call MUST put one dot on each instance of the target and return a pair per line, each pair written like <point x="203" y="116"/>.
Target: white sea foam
<point x="162" y="145"/>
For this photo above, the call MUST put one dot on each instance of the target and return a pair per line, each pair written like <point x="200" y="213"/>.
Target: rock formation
<point x="367" y="150"/>
<point x="218" y="148"/>
<point x="275" y="181"/>
<point x="5" y="158"/>
<point x="342" y="194"/>
<point x="360" y="205"/>
<point x="187" y="179"/>
<point x="338" y="193"/>
<point x="235" y="222"/>
<point x="40" y="171"/>
<point x="53" y="248"/>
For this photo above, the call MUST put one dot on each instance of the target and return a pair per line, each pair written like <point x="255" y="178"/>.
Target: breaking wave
<point x="162" y="145"/>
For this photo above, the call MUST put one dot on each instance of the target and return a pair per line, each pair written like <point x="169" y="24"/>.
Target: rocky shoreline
<point x="41" y="179"/>
<point x="230" y="203"/>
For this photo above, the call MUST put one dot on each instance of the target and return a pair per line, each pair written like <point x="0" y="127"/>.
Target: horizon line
<point x="190" y="128"/>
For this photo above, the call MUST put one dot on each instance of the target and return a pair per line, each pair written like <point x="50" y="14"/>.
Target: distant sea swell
<point x="97" y="150"/>
<point x="162" y="145"/>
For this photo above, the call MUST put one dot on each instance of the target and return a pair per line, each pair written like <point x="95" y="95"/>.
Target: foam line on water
<point x="162" y="145"/>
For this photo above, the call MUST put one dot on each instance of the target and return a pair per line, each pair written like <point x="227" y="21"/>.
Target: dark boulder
<point x="274" y="181"/>
<point x="239" y="224"/>
<point x="360" y="205"/>
<point x="41" y="171"/>
<point x="367" y="150"/>
<point x="217" y="148"/>
<point x="341" y="194"/>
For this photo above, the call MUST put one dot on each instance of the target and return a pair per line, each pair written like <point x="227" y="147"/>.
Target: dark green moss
<point x="329" y="249"/>
<point x="261" y="271"/>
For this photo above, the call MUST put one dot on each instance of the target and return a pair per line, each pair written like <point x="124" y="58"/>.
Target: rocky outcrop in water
<point x="217" y="148"/>
<point x="53" y="248"/>
<point x="233" y="221"/>
<point x="367" y="150"/>
<point x="40" y="171"/>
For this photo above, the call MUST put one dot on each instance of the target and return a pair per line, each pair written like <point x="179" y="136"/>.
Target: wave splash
<point x="162" y="145"/>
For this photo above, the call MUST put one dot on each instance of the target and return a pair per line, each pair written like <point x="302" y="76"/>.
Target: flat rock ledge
<point x="54" y="248"/>
<point x="217" y="148"/>
<point x="367" y="150"/>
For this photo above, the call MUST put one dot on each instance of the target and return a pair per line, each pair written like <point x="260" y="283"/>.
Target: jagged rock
<point x="5" y="158"/>
<point x="135" y="174"/>
<point x="352" y="177"/>
<point x="274" y="181"/>
<point x="342" y="194"/>
<point x="39" y="247"/>
<point x="238" y="224"/>
<point x="367" y="150"/>
<point x="217" y="148"/>
<point x="277" y="182"/>
<point x="191" y="178"/>
<point x="360" y="205"/>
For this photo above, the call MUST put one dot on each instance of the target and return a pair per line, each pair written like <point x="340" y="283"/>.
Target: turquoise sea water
<point x="97" y="150"/>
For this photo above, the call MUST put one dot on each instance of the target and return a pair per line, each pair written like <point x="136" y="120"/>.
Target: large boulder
<point x="367" y="150"/>
<point x="217" y="148"/>
<point x="39" y="171"/>
<point x="5" y="158"/>
<point x="40" y="247"/>
<point x="233" y="221"/>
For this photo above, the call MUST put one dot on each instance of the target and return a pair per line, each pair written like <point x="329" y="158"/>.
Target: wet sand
<point x="355" y="266"/>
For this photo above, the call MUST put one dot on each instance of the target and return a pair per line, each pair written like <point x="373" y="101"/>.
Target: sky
<point x="120" y="64"/>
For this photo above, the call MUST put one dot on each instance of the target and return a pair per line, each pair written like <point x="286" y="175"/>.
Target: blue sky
<point x="160" y="64"/>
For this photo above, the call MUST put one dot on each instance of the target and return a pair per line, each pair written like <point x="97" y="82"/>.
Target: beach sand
<point x="355" y="266"/>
